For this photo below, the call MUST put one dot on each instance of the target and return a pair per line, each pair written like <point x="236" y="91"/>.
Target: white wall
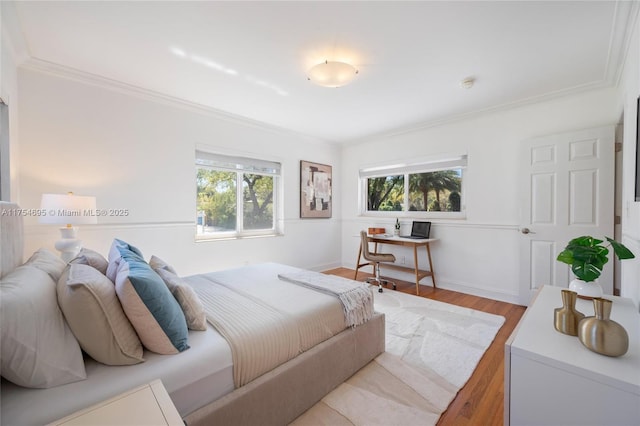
<point x="10" y="49"/>
<point x="629" y="91"/>
<point x="478" y="255"/>
<point x="137" y="153"/>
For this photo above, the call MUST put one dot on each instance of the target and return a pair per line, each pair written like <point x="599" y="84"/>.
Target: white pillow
<point x="38" y="350"/>
<point x="47" y="261"/>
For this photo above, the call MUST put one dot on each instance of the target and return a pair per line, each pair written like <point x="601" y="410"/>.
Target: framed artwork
<point x="638" y="151"/>
<point x="315" y="190"/>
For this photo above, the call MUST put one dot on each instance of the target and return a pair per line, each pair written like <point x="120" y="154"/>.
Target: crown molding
<point x="624" y="21"/>
<point x="73" y="74"/>
<point x="454" y="118"/>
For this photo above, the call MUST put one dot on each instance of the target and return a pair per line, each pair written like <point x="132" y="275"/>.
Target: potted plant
<point x="587" y="256"/>
<point x="397" y="227"/>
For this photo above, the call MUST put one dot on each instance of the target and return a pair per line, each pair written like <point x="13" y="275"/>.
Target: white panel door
<point x="567" y="187"/>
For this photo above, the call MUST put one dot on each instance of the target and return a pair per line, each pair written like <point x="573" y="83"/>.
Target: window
<point x="236" y="196"/>
<point x="434" y="187"/>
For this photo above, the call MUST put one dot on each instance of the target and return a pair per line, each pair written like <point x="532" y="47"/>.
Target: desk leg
<point x="433" y="274"/>
<point x="415" y="262"/>
<point x="355" y="278"/>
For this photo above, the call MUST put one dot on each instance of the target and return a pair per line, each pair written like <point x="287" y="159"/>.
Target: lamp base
<point x="69" y="246"/>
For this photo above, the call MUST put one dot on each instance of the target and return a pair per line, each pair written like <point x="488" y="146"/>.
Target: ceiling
<point x="250" y="58"/>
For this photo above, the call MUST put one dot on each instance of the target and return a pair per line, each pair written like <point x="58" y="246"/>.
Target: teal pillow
<point x="115" y="256"/>
<point x="151" y="308"/>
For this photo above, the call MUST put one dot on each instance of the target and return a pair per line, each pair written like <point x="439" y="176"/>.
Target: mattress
<point x="193" y="378"/>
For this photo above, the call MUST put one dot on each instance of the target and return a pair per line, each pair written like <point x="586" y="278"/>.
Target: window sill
<point x="417" y="215"/>
<point x="204" y="239"/>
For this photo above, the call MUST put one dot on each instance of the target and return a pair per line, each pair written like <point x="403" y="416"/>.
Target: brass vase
<point x="566" y="318"/>
<point x="602" y="335"/>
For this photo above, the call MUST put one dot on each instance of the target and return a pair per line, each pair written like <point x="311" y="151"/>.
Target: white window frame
<point x="431" y="164"/>
<point x="241" y="165"/>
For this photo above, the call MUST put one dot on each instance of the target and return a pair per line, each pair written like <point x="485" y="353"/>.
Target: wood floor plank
<point x="481" y="399"/>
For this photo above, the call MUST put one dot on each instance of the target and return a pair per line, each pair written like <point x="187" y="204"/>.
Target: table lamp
<point x="70" y="210"/>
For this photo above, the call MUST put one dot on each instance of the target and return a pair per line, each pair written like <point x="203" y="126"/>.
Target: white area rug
<point x="432" y="348"/>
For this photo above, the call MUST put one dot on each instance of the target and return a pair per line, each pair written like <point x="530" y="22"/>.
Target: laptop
<point x="419" y="230"/>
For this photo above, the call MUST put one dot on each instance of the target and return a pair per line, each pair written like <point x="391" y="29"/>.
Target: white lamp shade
<point x="332" y="73"/>
<point x="68" y="209"/>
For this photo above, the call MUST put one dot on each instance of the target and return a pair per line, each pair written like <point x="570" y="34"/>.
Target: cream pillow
<point x="187" y="299"/>
<point x="92" y="258"/>
<point x="37" y="349"/>
<point x="157" y="263"/>
<point x="89" y="302"/>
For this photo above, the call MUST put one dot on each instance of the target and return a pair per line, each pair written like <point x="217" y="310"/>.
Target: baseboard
<point x="480" y="292"/>
<point x="444" y="283"/>
<point x="324" y="267"/>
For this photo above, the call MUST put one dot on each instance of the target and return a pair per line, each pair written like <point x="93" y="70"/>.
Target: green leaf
<point x="620" y="250"/>
<point x="566" y="256"/>
<point x="584" y="241"/>
<point x="585" y="271"/>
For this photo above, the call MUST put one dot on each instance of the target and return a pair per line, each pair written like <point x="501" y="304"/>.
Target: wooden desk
<point x="409" y="242"/>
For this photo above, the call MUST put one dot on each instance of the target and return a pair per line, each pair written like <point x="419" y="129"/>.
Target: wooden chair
<point x="375" y="259"/>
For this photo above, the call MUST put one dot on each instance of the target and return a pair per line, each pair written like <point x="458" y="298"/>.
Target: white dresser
<point x="552" y="379"/>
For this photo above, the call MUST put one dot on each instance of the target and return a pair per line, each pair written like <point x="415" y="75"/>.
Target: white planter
<point x="586" y="290"/>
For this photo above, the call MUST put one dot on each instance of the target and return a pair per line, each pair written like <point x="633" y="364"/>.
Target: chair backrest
<point x="364" y="243"/>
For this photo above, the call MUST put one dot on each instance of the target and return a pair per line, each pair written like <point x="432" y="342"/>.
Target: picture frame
<point x="637" y="181"/>
<point x="316" y="186"/>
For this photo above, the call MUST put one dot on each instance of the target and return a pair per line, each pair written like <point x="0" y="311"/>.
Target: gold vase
<point x="566" y="318"/>
<point x="602" y="335"/>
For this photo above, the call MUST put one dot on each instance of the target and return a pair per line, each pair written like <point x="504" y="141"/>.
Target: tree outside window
<point x="235" y="196"/>
<point x="257" y="200"/>
<point x="216" y="203"/>
<point x="435" y="191"/>
<point x="431" y="186"/>
<point x="385" y="193"/>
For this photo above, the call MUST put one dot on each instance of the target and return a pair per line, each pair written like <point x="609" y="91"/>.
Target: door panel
<point x="567" y="188"/>
<point x="583" y="197"/>
<point x="543" y="198"/>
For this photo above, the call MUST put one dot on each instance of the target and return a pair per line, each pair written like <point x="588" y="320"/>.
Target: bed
<point x="200" y="380"/>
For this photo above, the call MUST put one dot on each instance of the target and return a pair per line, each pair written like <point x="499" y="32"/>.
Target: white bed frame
<point x="275" y="398"/>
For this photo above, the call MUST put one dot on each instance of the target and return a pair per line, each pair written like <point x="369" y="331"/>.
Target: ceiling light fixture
<point x="332" y="73"/>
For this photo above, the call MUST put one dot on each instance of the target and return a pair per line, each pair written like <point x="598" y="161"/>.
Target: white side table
<point x="149" y="404"/>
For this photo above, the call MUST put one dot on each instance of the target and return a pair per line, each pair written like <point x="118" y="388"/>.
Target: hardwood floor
<point x="481" y="400"/>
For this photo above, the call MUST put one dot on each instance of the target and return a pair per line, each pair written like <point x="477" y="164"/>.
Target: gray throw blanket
<point x="356" y="297"/>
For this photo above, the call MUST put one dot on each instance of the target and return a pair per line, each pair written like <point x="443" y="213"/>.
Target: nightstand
<point x="145" y="405"/>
